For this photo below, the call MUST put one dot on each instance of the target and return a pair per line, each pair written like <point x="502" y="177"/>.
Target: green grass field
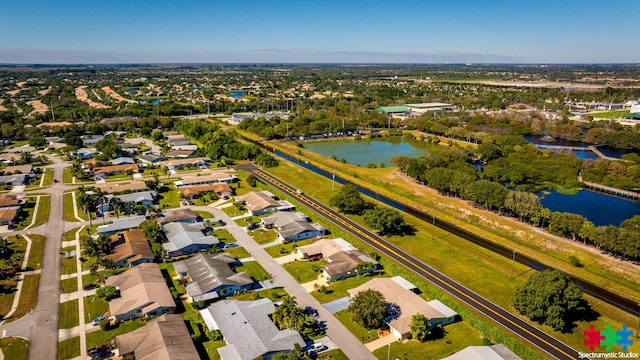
<point x="69" y="214"/>
<point x="69" y="349"/>
<point x="237" y="252"/>
<point x="304" y="271"/>
<point x="28" y="296"/>
<point x="203" y="214"/>
<point x="104" y="337"/>
<point x="48" y="177"/>
<point x="286" y="249"/>
<point x="616" y="114"/>
<point x="37" y="251"/>
<point x="169" y="199"/>
<point x="68" y="314"/>
<point x="364" y="335"/>
<point x="457" y="337"/>
<point x="253" y="269"/>
<point x="69" y="285"/>
<point x="69" y="265"/>
<point x="15" y="348"/>
<point x="262" y="236"/>
<point x="338" y="289"/>
<point x="67" y="178"/>
<point x="233" y="211"/>
<point x="94" y="307"/>
<point x="44" y="207"/>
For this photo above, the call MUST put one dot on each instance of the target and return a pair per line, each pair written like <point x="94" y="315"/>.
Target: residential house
<point x="55" y="125"/>
<point x="119" y="120"/>
<point x="400" y="292"/>
<point x="91" y="140"/>
<point x="293" y="226"/>
<point x="180" y="153"/>
<point x="178" y="215"/>
<point x="122" y="161"/>
<point x="263" y="202"/>
<point x="10" y="201"/>
<point x="145" y="198"/>
<point x="130" y="248"/>
<point x="151" y="159"/>
<point x="13" y="180"/>
<point x="215" y="177"/>
<point x="346" y="264"/>
<point x="223" y="191"/>
<point x="323" y="248"/>
<point x="121" y="225"/>
<point x="186" y="238"/>
<point x="210" y="276"/>
<point x="111" y="188"/>
<point x="180" y="142"/>
<point x="104" y="171"/>
<point x="248" y="330"/>
<point x="143" y="292"/>
<point x="200" y="162"/>
<point x="8" y="158"/>
<point x="490" y="352"/>
<point x="26" y="169"/>
<point x="163" y="338"/>
<point x="86" y="153"/>
<point x="8" y="216"/>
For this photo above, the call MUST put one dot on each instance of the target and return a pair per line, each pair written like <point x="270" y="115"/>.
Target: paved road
<point x="526" y="331"/>
<point x="41" y="325"/>
<point x="349" y="344"/>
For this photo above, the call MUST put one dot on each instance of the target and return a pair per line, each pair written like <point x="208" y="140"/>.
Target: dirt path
<point x="463" y="209"/>
<point x="2" y="108"/>
<point x="38" y="107"/>
<point x="109" y="91"/>
<point x="44" y="92"/>
<point x="82" y="95"/>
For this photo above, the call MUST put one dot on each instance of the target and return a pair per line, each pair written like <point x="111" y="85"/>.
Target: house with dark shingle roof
<point x="186" y="238"/>
<point x="210" y="276"/>
<point x="293" y="226"/>
<point x="163" y="338"/>
<point x="130" y="248"/>
<point x="263" y="202"/>
<point x="248" y="330"/>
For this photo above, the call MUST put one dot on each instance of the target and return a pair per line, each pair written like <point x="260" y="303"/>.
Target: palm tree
<point x="99" y="198"/>
<point x="116" y="206"/>
<point x="85" y="202"/>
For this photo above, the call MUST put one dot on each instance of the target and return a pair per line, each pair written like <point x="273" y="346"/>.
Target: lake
<point x="362" y="152"/>
<point x="600" y="209"/>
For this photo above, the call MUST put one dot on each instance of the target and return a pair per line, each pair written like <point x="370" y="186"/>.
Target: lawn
<point x="94" y="307"/>
<point x="43" y="210"/>
<point x="238" y="252"/>
<point x="253" y="269"/>
<point x="104" y="337"/>
<point x="223" y="235"/>
<point x="67" y="178"/>
<point x="234" y="211"/>
<point x="28" y="296"/>
<point x="6" y="302"/>
<point x="26" y="213"/>
<point x="70" y="235"/>
<point x="15" y="348"/>
<point x="37" y="251"/>
<point x="169" y="199"/>
<point x="262" y="236"/>
<point x="335" y="354"/>
<point x="271" y="294"/>
<point x="338" y="289"/>
<point x="206" y="199"/>
<point x="69" y="265"/>
<point x="203" y="214"/>
<point x="69" y="214"/>
<point x="48" y="177"/>
<point x="69" y="285"/>
<point x="68" y="314"/>
<point x="69" y="349"/>
<point x="364" y="335"/>
<point x="457" y="337"/>
<point x="616" y="114"/>
<point x="286" y="249"/>
<point x="304" y="271"/>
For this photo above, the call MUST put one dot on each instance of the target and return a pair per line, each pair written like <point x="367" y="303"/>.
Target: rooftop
<point x="182" y="235"/>
<point x="210" y="271"/>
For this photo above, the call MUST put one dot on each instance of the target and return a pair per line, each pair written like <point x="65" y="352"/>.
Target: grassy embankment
<point x="465" y="262"/>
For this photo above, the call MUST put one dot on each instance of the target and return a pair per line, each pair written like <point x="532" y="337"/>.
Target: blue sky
<point x="402" y="31"/>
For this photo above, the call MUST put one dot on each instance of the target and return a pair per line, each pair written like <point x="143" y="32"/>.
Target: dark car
<point x="89" y="287"/>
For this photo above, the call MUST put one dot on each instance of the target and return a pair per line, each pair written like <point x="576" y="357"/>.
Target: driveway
<point x="349" y="344"/>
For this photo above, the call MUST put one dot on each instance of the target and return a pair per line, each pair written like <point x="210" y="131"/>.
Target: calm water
<point x="600" y="209"/>
<point x="362" y="152"/>
<point x="237" y="94"/>
<point x="607" y="150"/>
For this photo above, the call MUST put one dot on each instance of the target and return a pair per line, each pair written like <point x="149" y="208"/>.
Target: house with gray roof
<point x="151" y="159"/>
<point x="86" y="153"/>
<point x="13" y="180"/>
<point x="122" y="160"/>
<point x="293" y="226"/>
<point x="210" y="276"/>
<point x="121" y="225"/>
<point x="91" y="140"/>
<point x="186" y="238"/>
<point x="248" y="330"/>
<point x="145" y="198"/>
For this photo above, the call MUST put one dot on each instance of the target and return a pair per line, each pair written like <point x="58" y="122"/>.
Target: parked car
<point x="89" y="287"/>
<point x="97" y="320"/>
<point x="230" y="245"/>
<point x="253" y="226"/>
<point x="317" y="347"/>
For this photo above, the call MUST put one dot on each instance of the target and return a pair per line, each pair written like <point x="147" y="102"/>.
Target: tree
<point x="420" y="327"/>
<point x="96" y="247"/>
<point x="348" y="200"/>
<point x="549" y="297"/>
<point x="266" y="160"/>
<point x="99" y="198"/>
<point x="385" y="220"/>
<point x="252" y="180"/>
<point x="107" y="292"/>
<point x="289" y="315"/>
<point x="116" y="206"/>
<point x="369" y="309"/>
<point x="152" y="231"/>
<point x="37" y="141"/>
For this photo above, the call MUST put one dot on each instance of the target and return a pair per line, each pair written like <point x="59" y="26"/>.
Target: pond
<point x="374" y="151"/>
<point x="237" y="94"/>
<point x="600" y="209"/>
<point x="586" y="154"/>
